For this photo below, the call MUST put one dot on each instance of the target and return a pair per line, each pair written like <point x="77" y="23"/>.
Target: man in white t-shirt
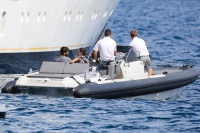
<point x="140" y="49"/>
<point x="106" y="48"/>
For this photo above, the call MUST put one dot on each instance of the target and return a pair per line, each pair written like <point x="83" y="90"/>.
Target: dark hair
<point x="133" y="33"/>
<point x="83" y="50"/>
<point x="63" y="50"/>
<point x="108" y="32"/>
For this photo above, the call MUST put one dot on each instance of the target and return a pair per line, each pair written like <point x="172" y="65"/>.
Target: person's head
<point x="64" y="51"/>
<point x="133" y="33"/>
<point x="81" y="51"/>
<point x="108" y="32"/>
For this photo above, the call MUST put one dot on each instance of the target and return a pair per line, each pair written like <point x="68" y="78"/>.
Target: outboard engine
<point x="9" y="87"/>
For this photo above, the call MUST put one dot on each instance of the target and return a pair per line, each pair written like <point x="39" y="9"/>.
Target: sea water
<point x="171" y="30"/>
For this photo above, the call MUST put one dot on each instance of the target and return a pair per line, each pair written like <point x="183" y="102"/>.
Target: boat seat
<point x="60" y="70"/>
<point x="76" y="68"/>
<point x="52" y="67"/>
<point x="107" y="70"/>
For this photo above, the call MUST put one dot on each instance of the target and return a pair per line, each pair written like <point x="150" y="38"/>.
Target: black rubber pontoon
<point x="174" y="78"/>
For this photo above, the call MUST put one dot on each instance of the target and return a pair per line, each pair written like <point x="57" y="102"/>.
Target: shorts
<point x="106" y="62"/>
<point x="147" y="62"/>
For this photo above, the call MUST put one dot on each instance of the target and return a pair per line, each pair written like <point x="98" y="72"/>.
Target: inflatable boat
<point x="165" y="83"/>
<point x="124" y="78"/>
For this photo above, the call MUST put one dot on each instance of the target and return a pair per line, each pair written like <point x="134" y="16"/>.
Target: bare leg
<point x="149" y="72"/>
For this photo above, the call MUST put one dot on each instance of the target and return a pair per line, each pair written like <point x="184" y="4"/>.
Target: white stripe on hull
<point x="46" y="25"/>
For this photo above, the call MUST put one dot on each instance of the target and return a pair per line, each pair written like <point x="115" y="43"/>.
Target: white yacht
<point x="46" y="25"/>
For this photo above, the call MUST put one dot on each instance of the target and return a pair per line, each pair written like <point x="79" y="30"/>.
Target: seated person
<point x="64" y="53"/>
<point x="81" y="57"/>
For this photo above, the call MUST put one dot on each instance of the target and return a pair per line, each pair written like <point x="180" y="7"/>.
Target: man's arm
<point x="115" y="49"/>
<point x="95" y="55"/>
<point x="74" y="60"/>
<point x="115" y="53"/>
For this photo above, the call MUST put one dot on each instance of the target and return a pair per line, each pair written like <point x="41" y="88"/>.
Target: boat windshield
<point x="126" y="53"/>
<point x="130" y="55"/>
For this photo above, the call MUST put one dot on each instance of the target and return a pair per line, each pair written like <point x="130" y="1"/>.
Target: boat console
<point x="126" y="65"/>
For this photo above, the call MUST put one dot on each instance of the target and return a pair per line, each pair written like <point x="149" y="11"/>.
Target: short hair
<point x="108" y="32"/>
<point x="83" y="50"/>
<point x="133" y="33"/>
<point x="63" y="50"/>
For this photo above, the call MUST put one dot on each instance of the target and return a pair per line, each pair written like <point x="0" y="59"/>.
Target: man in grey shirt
<point x="64" y="53"/>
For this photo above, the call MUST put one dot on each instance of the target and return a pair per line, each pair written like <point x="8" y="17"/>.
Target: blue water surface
<point x="171" y="29"/>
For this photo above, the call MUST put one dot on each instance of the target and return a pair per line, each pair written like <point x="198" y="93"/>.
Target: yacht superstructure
<point x="46" y="25"/>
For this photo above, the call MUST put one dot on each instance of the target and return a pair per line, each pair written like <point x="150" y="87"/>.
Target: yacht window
<point x="77" y="17"/>
<point x="65" y="16"/>
<point x="105" y="14"/>
<point x="94" y="16"/>
<point x="22" y="17"/>
<point x="3" y="24"/>
<point x="69" y="17"/>
<point x="27" y="17"/>
<point x="44" y="17"/>
<point x="38" y="19"/>
<point x="81" y="15"/>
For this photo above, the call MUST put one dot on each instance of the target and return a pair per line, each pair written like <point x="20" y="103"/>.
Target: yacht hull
<point x="46" y="25"/>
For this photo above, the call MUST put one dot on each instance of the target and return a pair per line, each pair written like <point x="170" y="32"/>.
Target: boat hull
<point x="35" y="26"/>
<point x="165" y="95"/>
<point x="165" y="83"/>
<point x="133" y="88"/>
<point x="47" y="91"/>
